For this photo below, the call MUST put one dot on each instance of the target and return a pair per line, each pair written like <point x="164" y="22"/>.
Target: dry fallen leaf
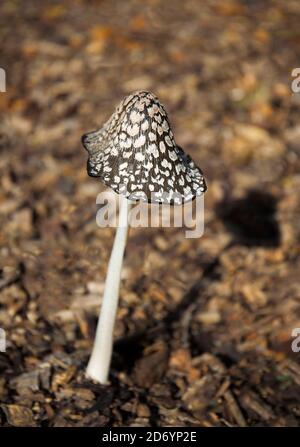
<point x="18" y="416"/>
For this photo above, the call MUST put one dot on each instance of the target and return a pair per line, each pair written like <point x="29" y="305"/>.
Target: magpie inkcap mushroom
<point x="135" y="154"/>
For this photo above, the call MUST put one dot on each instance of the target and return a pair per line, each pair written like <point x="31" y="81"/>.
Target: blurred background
<point x="203" y="336"/>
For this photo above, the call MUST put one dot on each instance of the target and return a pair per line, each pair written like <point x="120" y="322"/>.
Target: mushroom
<point x="135" y="154"/>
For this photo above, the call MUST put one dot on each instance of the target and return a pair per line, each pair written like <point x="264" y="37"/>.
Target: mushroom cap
<point x="135" y="154"/>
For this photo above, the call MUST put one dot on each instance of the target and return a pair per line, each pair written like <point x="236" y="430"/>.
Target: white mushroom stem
<point x="99" y="363"/>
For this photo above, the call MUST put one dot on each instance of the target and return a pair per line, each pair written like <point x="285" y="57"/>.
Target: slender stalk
<point x="99" y="363"/>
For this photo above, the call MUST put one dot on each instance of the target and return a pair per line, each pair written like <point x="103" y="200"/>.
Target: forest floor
<point x="204" y="327"/>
